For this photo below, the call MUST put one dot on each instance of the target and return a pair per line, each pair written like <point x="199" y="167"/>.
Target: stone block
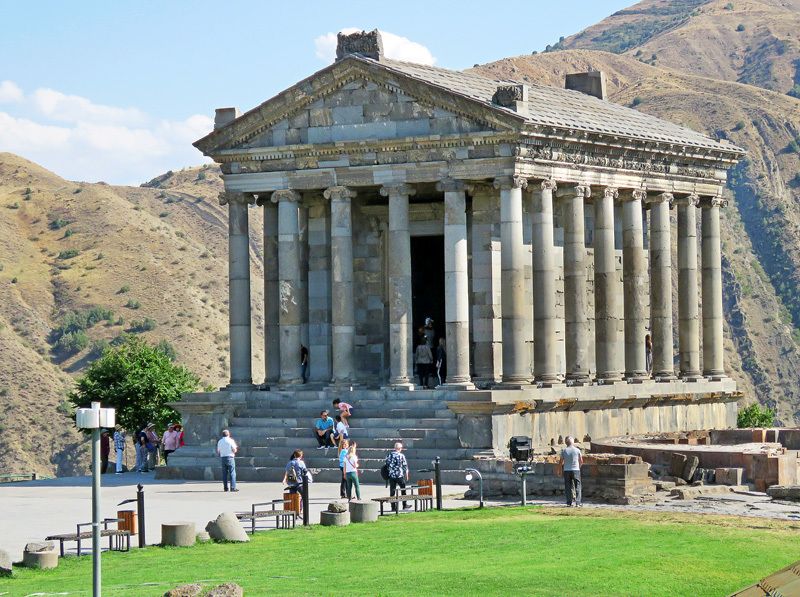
<point x="191" y="590"/>
<point x="334" y="519"/>
<point x="203" y="537"/>
<point x="178" y="534"/>
<point x="38" y="546"/>
<point x="229" y="589"/>
<point x="40" y="559"/>
<point x="690" y="467"/>
<point x="729" y="476"/>
<point x="226" y="527"/>
<point x="677" y="464"/>
<point x="363" y="511"/>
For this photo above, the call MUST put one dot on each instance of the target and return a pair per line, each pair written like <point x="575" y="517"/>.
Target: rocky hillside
<point x="762" y="224"/>
<point x="148" y="260"/>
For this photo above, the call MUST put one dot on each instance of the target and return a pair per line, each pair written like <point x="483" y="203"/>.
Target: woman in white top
<point x="351" y="472"/>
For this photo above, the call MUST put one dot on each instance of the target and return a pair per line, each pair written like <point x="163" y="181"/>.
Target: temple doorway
<point x="427" y="283"/>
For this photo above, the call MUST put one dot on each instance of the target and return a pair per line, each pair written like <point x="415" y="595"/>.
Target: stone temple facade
<point x="534" y="224"/>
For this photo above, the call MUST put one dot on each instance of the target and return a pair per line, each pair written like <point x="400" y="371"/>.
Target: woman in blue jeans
<point x="351" y="472"/>
<point x="343" y="448"/>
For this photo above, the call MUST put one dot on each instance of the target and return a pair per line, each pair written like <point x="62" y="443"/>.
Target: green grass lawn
<point x="501" y="551"/>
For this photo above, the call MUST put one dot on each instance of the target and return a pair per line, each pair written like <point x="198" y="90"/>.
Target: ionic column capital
<point x="399" y="188"/>
<point x="708" y="202"/>
<point x="510" y="182"/>
<point x="338" y="193"/>
<point x="450" y="185"/>
<point x="285" y="195"/>
<point x="611" y="192"/>
<point x="634" y="195"/>
<point x="226" y="197"/>
<point x="549" y="184"/>
<point x="692" y="199"/>
<point x="661" y="198"/>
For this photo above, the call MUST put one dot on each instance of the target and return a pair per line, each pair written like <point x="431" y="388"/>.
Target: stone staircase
<point x="271" y="424"/>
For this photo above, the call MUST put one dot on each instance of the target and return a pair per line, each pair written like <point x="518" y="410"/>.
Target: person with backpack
<point x="293" y="479"/>
<point x="397" y="470"/>
<point x="351" y="472"/>
<point x="343" y="447"/>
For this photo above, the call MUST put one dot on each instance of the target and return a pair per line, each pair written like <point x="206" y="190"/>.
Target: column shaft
<point x="272" y="353"/>
<point x="688" y="309"/>
<point x="342" y="308"/>
<point x="544" y="286"/>
<point x="516" y="356"/>
<point x="399" y="269"/>
<point x="456" y="285"/>
<point x="713" y="362"/>
<point x="606" y="289"/>
<point x="289" y="272"/>
<point x="661" y="287"/>
<point x="239" y="288"/>
<point x="576" y="322"/>
<point x="634" y="281"/>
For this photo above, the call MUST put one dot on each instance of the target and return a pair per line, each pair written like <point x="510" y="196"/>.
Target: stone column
<point x="545" y="369"/>
<point x="634" y="281"/>
<point x="606" y="292"/>
<point x="289" y="285"/>
<point x="272" y="353"/>
<point x="713" y="362"/>
<point x="456" y="285"/>
<point x="576" y="324"/>
<point x="516" y="358"/>
<point x="688" y="309"/>
<point x="239" y="287"/>
<point x="342" y="311"/>
<point x="399" y="266"/>
<point x="661" y="286"/>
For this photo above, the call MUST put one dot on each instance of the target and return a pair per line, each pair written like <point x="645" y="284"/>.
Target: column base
<point x="399" y="387"/>
<point x="239" y="387"/>
<point x="664" y="377"/>
<point x="290" y="384"/>
<point x="691" y="376"/>
<point x="714" y="375"/>
<point x="578" y="380"/>
<point x="514" y="384"/>
<point x="341" y="386"/>
<point x="608" y="381"/>
<point x="636" y="377"/>
<point x="457" y="385"/>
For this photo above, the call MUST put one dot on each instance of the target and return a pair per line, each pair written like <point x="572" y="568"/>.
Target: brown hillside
<point x="762" y="348"/>
<point x="748" y="41"/>
<point x="163" y="248"/>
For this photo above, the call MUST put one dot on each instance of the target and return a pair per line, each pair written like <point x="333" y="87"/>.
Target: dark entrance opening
<point x="427" y="283"/>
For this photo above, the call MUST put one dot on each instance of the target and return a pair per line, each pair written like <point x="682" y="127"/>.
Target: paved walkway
<point x="32" y="510"/>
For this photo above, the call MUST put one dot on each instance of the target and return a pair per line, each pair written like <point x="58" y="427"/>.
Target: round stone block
<point x="363" y="511"/>
<point x="203" y="537"/>
<point x="334" y="519"/>
<point x="178" y="534"/>
<point x="40" y="559"/>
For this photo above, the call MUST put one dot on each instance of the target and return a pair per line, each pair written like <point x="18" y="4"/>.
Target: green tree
<point x="138" y="380"/>
<point x="755" y="416"/>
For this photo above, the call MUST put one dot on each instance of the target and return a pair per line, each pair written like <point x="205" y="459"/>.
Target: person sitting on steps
<point x="323" y="431"/>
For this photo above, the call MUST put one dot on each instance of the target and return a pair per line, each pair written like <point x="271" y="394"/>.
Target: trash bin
<point x="425" y="486"/>
<point x="127" y="521"/>
<point x="291" y="501"/>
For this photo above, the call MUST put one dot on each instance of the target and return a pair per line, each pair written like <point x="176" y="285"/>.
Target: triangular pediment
<point x="358" y="100"/>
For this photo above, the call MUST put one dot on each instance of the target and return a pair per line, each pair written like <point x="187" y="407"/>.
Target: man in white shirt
<point x="226" y="450"/>
<point x="571" y="460"/>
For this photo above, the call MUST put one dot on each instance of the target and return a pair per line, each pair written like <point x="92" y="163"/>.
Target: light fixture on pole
<point x="96" y="419"/>
<point x="471" y="473"/>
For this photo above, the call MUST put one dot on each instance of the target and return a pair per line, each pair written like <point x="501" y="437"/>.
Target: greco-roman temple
<point x="533" y="224"/>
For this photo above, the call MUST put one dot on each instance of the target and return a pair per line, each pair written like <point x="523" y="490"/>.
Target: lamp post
<point x="523" y="471"/>
<point x="95" y="418"/>
<point x="471" y="472"/>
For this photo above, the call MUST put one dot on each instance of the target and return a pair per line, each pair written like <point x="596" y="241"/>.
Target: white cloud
<point x="81" y="140"/>
<point x="395" y="47"/>
<point x="10" y="92"/>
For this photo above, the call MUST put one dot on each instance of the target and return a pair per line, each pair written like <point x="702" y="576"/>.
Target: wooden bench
<point x="283" y="517"/>
<point x="116" y="537"/>
<point x="421" y="502"/>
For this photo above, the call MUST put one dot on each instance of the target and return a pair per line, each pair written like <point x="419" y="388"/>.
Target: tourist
<point x="171" y="440"/>
<point x="398" y="473"/>
<point x="340" y="431"/>
<point x="153" y="442"/>
<point x="343" y="447"/>
<point x="119" y="447"/>
<point x="304" y="363"/>
<point x="648" y="353"/>
<point x="226" y="450"/>
<point x="351" y="472"/>
<point x="140" y="439"/>
<point x="323" y="431"/>
<point x="571" y="461"/>
<point x="423" y="359"/>
<point x="295" y="469"/>
<point x="105" y="450"/>
<point x="344" y="410"/>
<point x="430" y="333"/>
<point x="441" y="361"/>
<point x="179" y="429"/>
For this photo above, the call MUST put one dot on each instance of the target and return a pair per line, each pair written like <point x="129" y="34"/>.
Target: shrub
<point x="133" y="304"/>
<point x="163" y="214"/>
<point x="68" y="232"/>
<point x="98" y="347"/>
<point x="168" y="350"/>
<point x="14" y="205"/>
<point x="739" y="126"/>
<point x="729" y="6"/>
<point x="201" y="176"/>
<point x="124" y="289"/>
<point x="68" y="254"/>
<point x="14" y="280"/>
<point x="740" y="27"/>
<point x="793" y="146"/>
<point x="795" y="91"/>
<point x="72" y="342"/>
<point x="755" y="416"/>
<point x="145" y="325"/>
<point x="636" y="101"/>
<point x="58" y="223"/>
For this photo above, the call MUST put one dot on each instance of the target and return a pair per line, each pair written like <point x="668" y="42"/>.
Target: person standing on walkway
<point x="105" y="450"/>
<point x="226" y="450"/>
<point x="430" y="333"/>
<point x="571" y="461"/>
<point x="441" y="362"/>
<point x="351" y="472"/>
<point x="153" y="442"/>
<point x="323" y="430"/>
<point x="398" y="472"/>
<point x="304" y="363"/>
<point x="648" y="353"/>
<point x="141" y="451"/>
<point x="345" y="445"/>
<point x="424" y="359"/>
<point x="171" y="439"/>
<point x="119" y="448"/>
<point x="293" y="477"/>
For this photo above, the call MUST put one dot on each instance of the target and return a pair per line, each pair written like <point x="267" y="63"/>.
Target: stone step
<point x="318" y="459"/>
<point x="320" y="403"/>
<point x="307" y="441"/>
<point x="311" y="414"/>
<point x="361" y="422"/>
<point x="246" y="433"/>
<point x="364" y="452"/>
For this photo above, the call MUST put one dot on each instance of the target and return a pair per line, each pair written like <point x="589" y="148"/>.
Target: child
<point x="344" y="410"/>
<point x="340" y="430"/>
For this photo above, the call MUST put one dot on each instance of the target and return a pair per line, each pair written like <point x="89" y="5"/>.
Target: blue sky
<point x="117" y="91"/>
